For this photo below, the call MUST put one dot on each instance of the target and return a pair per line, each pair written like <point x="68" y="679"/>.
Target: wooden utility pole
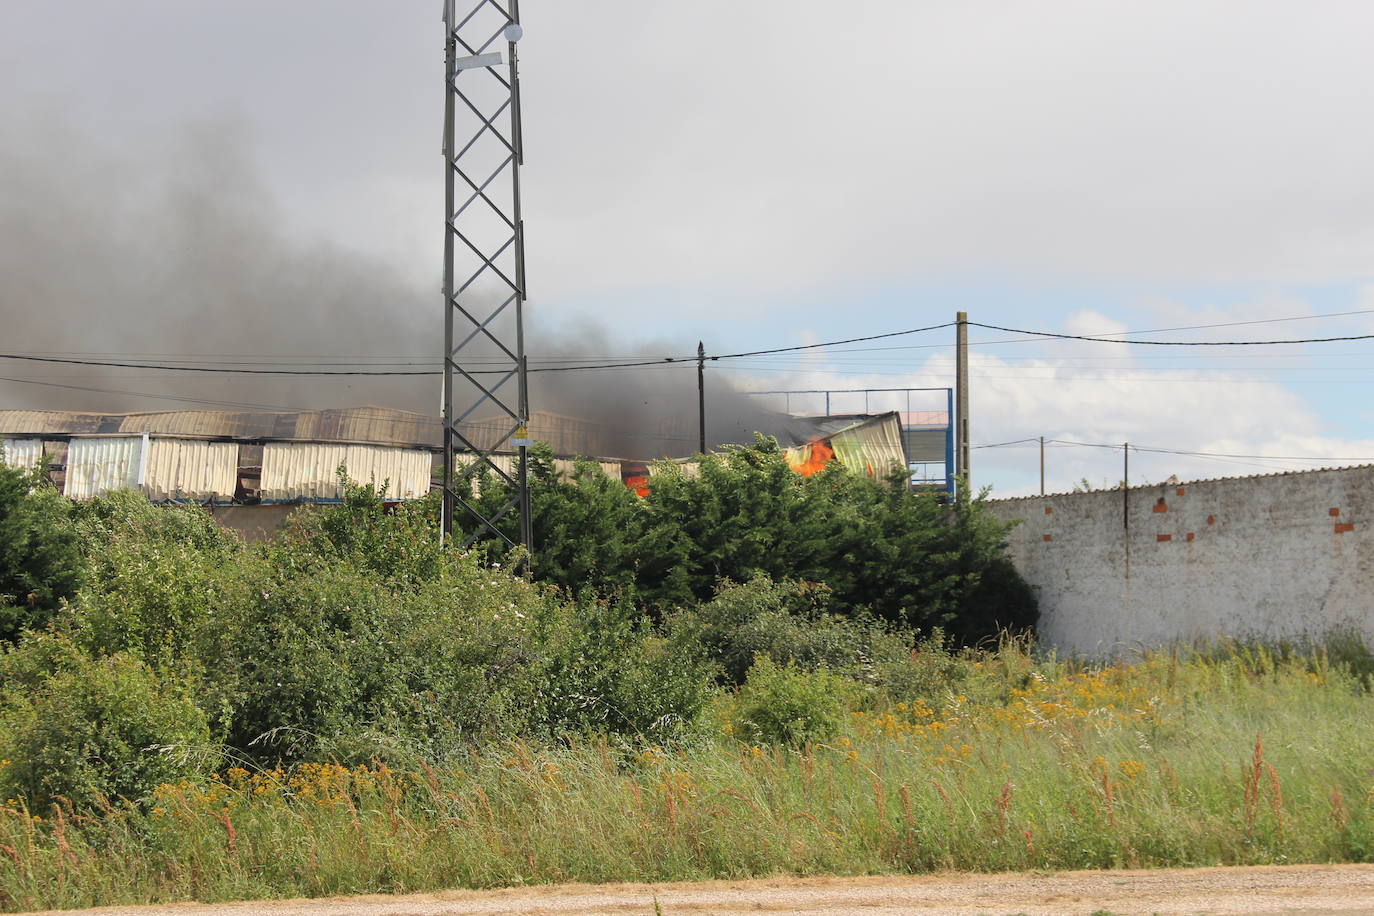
<point x="961" y="465"/>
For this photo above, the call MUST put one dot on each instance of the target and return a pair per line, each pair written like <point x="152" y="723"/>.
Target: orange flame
<point x="636" y="477"/>
<point x="817" y="457"/>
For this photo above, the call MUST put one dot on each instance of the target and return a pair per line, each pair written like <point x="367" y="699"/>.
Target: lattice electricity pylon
<point x="483" y="299"/>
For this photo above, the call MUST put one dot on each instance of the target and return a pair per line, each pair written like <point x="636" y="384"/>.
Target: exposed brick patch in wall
<point x="1343" y="527"/>
<point x="1179" y="491"/>
<point x="1161" y="538"/>
<point x="1190" y="535"/>
<point x="1211" y="519"/>
<point x="1047" y="538"/>
<point x="1333" y="512"/>
<point x="1160" y="505"/>
<point x="1049" y="510"/>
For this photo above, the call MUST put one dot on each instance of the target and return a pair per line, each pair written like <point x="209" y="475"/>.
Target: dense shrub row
<point x="910" y="558"/>
<point x="145" y="644"/>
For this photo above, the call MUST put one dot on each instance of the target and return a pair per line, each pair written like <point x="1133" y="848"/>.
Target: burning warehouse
<point x="234" y="461"/>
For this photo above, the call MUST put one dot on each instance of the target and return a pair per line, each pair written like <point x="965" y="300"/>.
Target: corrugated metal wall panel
<point x="95" y="466"/>
<point x="691" y="468"/>
<point x="308" y="470"/>
<point x="21" y="453"/>
<point x="565" y="467"/>
<point x="871" y="448"/>
<point x="189" y="469"/>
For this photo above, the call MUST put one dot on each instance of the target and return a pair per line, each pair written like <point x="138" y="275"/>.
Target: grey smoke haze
<point x="180" y="250"/>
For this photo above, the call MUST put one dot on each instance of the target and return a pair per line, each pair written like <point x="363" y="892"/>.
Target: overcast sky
<point x="752" y="174"/>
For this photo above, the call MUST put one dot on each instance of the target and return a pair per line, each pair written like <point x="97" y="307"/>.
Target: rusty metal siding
<point x="308" y="470"/>
<point x="181" y="470"/>
<point x="39" y="422"/>
<point x="21" y="453"/>
<point x="374" y="425"/>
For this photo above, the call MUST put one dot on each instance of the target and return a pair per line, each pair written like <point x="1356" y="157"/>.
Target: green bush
<point x="156" y="576"/>
<point x="325" y="660"/>
<point x="398" y="544"/>
<point x="911" y="559"/>
<point x="589" y="529"/>
<point x="790" y="622"/>
<point x="127" y="514"/>
<point x="781" y="704"/>
<point x="93" y="728"/>
<point x="600" y="667"/>
<point x="40" y="563"/>
<point x="929" y="672"/>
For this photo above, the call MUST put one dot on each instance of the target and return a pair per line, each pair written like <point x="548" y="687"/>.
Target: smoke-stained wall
<point x="1285" y="555"/>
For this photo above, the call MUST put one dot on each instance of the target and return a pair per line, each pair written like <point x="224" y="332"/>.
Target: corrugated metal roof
<point x="873" y="447"/>
<point x="363" y="425"/>
<point x="373" y="425"/>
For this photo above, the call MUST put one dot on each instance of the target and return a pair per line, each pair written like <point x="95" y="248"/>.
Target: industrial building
<point x="250" y="467"/>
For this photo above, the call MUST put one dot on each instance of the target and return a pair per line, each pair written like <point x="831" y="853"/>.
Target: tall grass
<point x="1243" y="756"/>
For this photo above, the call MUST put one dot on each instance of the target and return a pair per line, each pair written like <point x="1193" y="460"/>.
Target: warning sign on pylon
<point x="522" y="436"/>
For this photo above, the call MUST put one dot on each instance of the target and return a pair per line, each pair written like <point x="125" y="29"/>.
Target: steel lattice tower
<point x="484" y="272"/>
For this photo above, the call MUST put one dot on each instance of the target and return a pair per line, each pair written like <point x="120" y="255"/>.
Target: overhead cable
<point x="1172" y="343"/>
<point x="665" y="360"/>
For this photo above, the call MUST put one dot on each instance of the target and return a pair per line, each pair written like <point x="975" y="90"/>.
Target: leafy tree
<point x="40" y="563"/>
<point x="914" y="559"/>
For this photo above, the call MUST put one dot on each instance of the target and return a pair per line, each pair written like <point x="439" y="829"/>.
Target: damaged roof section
<point x="368" y="425"/>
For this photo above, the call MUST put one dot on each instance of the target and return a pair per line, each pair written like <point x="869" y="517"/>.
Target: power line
<point x="1233" y="324"/>
<point x="143" y="394"/>
<point x="419" y="359"/>
<point x="1117" y="446"/>
<point x="581" y="363"/>
<point x="1173" y="343"/>
<point x="1005" y="444"/>
<point x="665" y="360"/>
<point x="835" y="343"/>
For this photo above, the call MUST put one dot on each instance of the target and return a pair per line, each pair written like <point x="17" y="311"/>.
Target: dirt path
<point x="1298" y="889"/>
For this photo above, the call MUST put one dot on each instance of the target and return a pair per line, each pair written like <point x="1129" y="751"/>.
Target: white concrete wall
<point x="1266" y="557"/>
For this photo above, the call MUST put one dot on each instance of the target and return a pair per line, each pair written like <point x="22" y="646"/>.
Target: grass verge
<point x="1234" y="758"/>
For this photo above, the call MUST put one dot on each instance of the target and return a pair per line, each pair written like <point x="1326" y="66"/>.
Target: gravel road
<point x="1291" y="890"/>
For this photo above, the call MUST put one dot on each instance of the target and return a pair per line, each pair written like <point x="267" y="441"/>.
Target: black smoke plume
<point x="185" y="254"/>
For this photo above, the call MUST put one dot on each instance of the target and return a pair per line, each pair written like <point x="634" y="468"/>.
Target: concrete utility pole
<point x="701" y="397"/>
<point x="961" y="397"/>
<point x="1126" y="485"/>
<point x="1042" y="465"/>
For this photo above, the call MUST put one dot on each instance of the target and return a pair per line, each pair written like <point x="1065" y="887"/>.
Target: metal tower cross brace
<point x="484" y="272"/>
